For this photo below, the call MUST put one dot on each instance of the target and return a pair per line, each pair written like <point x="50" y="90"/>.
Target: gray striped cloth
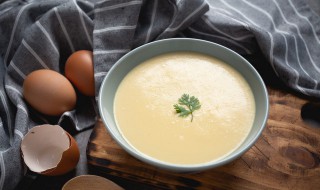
<point x="42" y="34"/>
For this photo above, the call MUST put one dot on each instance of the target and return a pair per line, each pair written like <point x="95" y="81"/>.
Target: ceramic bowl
<point x="133" y="58"/>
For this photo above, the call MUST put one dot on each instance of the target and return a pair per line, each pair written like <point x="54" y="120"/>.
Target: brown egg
<point x="49" y="150"/>
<point x="79" y="70"/>
<point x="49" y="92"/>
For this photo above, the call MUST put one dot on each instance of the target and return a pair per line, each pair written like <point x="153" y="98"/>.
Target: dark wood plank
<point x="286" y="156"/>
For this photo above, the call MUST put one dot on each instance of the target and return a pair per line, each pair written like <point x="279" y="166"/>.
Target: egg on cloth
<point x="49" y="150"/>
<point x="49" y="92"/>
<point x="79" y="70"/>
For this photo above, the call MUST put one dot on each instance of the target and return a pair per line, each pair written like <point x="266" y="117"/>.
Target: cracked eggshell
<point x="49" y="150"/>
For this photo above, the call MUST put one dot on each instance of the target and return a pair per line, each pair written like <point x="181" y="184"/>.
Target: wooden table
<point x="286" y="156"/>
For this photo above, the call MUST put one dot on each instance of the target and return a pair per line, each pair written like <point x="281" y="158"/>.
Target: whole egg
<point x="49" y="92"/>
<point x="79" y="70"/>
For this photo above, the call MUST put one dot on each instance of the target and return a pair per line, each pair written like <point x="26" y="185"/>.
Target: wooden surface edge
<point x="286" y="156"/>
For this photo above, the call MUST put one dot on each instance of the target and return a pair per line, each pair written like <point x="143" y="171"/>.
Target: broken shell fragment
<point x="49" y="150"/>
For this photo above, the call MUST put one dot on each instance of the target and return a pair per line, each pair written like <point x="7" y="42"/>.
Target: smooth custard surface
<point x="145" y="116"/>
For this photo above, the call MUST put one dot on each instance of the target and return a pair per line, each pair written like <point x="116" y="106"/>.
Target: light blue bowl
<point x="133" y="58"/>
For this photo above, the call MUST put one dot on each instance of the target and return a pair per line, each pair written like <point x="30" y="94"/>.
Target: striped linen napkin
<point x="43" y="33"/>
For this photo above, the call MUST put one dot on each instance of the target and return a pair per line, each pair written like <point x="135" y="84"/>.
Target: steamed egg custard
<point x="146" y="118"/>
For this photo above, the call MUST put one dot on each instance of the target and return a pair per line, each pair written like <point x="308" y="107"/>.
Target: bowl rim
<point x="184" y="167"/>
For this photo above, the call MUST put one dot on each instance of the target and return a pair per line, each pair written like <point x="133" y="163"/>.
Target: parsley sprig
<point x="187" y="105"/>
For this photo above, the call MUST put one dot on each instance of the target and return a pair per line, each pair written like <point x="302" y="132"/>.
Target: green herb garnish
<point x="187" y="105"/>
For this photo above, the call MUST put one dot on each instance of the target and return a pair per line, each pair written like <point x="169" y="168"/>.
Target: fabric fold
<point x="41" y="34"/>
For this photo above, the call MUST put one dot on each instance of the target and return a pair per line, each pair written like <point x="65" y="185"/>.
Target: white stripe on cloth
<point x="89" y="3"/>
<point x="16" y="131"/>
<point x="271" y="46"/>
<point x="23" y="109"/>
<point x="271" y="51"/>
<point x="306" y="19"/>
<point x="169" y="29"/>
<point x="154" y="12"/>
<point x="114" y="28"/>
<point x="238" y="38"/>
<point x="17" y="70"/>
<point x="99" y="52"/>
<point x="47" y="35"/>
<point x="82" y="22"/>
<point x="250" y="21"/>
<point x="221" y="10"/>
<point x="296" y="44"/>
<point x="64" y="29"/>
<point x="6" y="108"/>
<point x="6" y="10"/>
<point x="175" y="13"/>
<point x="299" y="62"/>
<point x="294" y="70"/>
<point x="282" y="32"/>
<point x="34" y="54"/>
<point x="101" y="2"/>
<point x="299" y="32"/>
<point x="3" y="171"/>
<point x="13" y="32"/>
<point x="223" y="38"/>
<point x="234" y="19"/>
<point x="8" y="87"/>
<point x="100" y="74"/>
<point x="115" y="7"/>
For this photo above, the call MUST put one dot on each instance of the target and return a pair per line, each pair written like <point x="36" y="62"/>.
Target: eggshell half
<point x="49" y="150"/>
<point x="69" y="161"/>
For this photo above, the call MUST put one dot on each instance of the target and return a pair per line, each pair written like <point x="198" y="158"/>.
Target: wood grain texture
<point x="286" y="156"/>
